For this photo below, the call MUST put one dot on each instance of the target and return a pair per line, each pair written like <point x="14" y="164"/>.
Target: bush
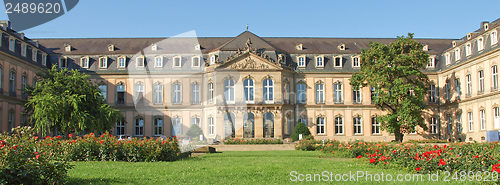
<point x="238" y="141"/>
<point x="194" y="131"/>
<point x="300" y="128"/>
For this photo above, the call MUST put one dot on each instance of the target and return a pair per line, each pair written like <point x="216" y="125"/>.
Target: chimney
<point x="5" y="24"/>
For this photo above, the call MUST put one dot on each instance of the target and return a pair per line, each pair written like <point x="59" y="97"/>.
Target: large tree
<point x="66" y="101"/>
<point x="395" y="72"/>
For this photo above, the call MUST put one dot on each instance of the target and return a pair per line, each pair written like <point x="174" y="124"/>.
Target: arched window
<point x="120" y="94"/>
<point x="337" y="92"/>
<point x="248" y="85"/>
<point x="229" y="90"/>
<point x="120" y="128"/>
<point x="301" y="93"/>
<point x="268" y="91"/>
<point x="158" y="126"/>
<point x="195" y="93"/>
<point x="176" y="93"/>
<point x="24" y="82"/>
<point x="320" y="125"/>
<point x="176" y="126"/>
<point x="228" y="125"/>
<point x="195" y="121"/>
<point x="139" y="126"/>
<point x="375" y="125"/>
<point x="320" y="93"/>
<point x="357" y="123"/>
<point x="433" y="125"/>
<point x="158" y="93"/>
<point x="12" y="83"/>
<point x="139" y="93"/>
<point x="288" y="125"/>
<point x="339" y="125"/>
<point x="211" y="92"/>
<point x="248" y="125"/>
<point x="211" y="126"/>
<point x="268" y="125"/>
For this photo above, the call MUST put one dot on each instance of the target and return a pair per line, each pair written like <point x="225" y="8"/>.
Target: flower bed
<point x="239" y="141"/>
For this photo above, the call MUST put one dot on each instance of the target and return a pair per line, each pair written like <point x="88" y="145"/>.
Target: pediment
<point x="250" y="61"/>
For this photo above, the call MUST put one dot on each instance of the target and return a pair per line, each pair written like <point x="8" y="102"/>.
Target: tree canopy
<point x="66" y="101"/>
<point x="394" y="71"/>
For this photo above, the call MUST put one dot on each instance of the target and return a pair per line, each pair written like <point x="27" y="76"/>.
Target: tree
<point x="66" y="101"/>
<point x="395" y="73"/>
<point x="194" y="131"/>
<point x="300" y="128"/>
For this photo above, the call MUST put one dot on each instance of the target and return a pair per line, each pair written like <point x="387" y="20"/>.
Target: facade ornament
<point x="248" y="44"/>
<point x="249" y="64"/>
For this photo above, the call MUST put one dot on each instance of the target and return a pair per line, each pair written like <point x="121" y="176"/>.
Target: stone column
<point x="259" y="124"/>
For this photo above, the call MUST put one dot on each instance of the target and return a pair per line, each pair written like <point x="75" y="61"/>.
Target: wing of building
<point x="259" y="87"/>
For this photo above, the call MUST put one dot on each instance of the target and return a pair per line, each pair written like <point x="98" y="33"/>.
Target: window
<point x="195" y="61"/>
<point x="301" y="93"/>
<point x="457" y="54"/>
<point x="447" y="90"/>
<point x="356" y="95"/>
<point x="355" y="62"/>
<point x="471" y="122"/>
<point x="357" y="125"/>
<point x="496" y="118"/>
<point x="459" y="123"/>
<point x="229" y="129"/>
<point x="63" y="62"/>
<point x="468" y="49"/>
<point x="481" y="81"/>
<point x="211" y="92"/>
<point x="67" y="48"/>
<point x="337" y="92"/>
<point x="480" y="43"/>
<point x="212" y="59"/>
<point x="139" y="93"/>
<point x="44" y="60"/>
<point x="139" y="126"/>
<point x="268" y="125"/>
<point x="176" y="126"/>
<point x="302" y="120"/>
<point x="375" y="126"/>
<point x="84" y="62"/>
<point x="176" y="93"/>
<point x="339" y="125"/>
<point x="120" y="128"/>
<point x="158" y="61"/>
<point x="320" y="93"/>
<point x="139" y="61"/>
<point x="319" y="61"/>
<point x="374" y="94"/>
<point x="12" y="83"/>
<point x="468" y="78"/>
<point x="447" y="59"/>
<point x="120" y="94"/>
<point x="23" y="86"/>
<point x="229" y="90"/>
<point x="433" y="129"/>
<point x="432" y="62"/>
<point x="154" y="47"/>
<point x="11" y="120"/>
<point x="286" y="93"/>
<point x="177" y="61"/>
<point x="288" y="125"/>
<point x="195" y="121"/>
<point x="458" y="88"/>
<point x="24" y="50"/>
<point x="195" y="93"/>
<point x="268" y="91"/>
<point x="482" y="117"/>
<point x="494" y="37"/>
<point x="248" y="88"/>
<point x="34" y="54"/>
<point x="158" y="93"/>
<point x="211" y="126"/>
<point x="158" y="126"/>
<point x="104" y="91"/>
<point x="121" y="62"/>
<point x="337" y="61"/>
<point x="301" y="61"/>
<point x="494" y="77"/>
<point x="1" y="79"/>
<point x="12" y="45"/>
<point x="449" y="125"/>
<point x="320" y="125"/>
<point x="103" y="62"/>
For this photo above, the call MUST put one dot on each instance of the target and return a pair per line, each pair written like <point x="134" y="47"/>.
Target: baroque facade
<point x="259" y="87"/>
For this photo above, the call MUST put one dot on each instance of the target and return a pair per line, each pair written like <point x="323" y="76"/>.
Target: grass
<point x="259" y="167"/>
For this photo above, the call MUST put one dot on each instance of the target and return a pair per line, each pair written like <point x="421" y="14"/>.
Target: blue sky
<point x="306" y="18"/>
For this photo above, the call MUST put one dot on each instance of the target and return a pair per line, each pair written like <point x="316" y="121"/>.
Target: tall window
<point x="176" y="93"/>
<point x="447" y="59"/>
<point x="373" y="94"/>
<point x="248" y="87"/>
<point x="12" y="45"/>
<point x="319" y="61"/>
<point x="471" y="121"/>
<point x="301" y="93"/>
<point x="248" y="125"/>
<point x="211" y="126"/>
<point x="268" y="90"/>
<point x="301" y="61"/>
<point x="459" y="123"/>
<point x="84" y="62"/>
<point x="229" y="90"/>
<point x="375" y="126"/>
<point x="480" y="43"/>
<point x="120" y="128"/>
<point x="11" y="120"/>
<point x="288" y="125"/>
<point x="356" y="95"/>
<point x="24" y="50"/>
<point x="104" y="91"/>
<point x="433" y="94"/>
<point x="121" y="62"/>
<point x="12" y="83"/>
<point x="139" y="61"/>
<point x="158" y="126"/>
<point x="320" y="93"/>
<point x="337" y="61"/>
<point x="357" y="125"/>
<point x="158" y="61"/>
<point x="432" y="62"/>
<point x="176" y="126"/>
<point x="433" y="125"/>
<point x="286" y="89"/>
<point x="494" y="37"/>
<point x="195" y="61"/>
<point x="447" y="90"/>
<point x="211" y="92"/>
<point x="268" y="125"/>
<point x="34" y="54"/>
<point x="339" y="125"/>
<point x="457" y="54"/>
<point x="195" y="93"/>
<point x="320" y="125"/>
<point x="469" y="84"/>
<point x="355" y="62"/>
<point x="23" y="86"/>
<point x="496" y="118"/>
<point x="177" y="61"/>
<point x="482" y="117"/>
<point x="302" y="120"/>
<point x="229" y="124"/>
<point x="468" y="49"/>
<point x="481" y="81"/>
<point x="44" y="59"/>
<point x="1" y="79"/>
<point x="457" y="88"/>
<point x="195" y="121"/>
<point x="139" y="126"/>
<point x="337" y="92"/>
<point x="139" y="92"/>
<point x="449" y="125"/>
<point x="157" y="93"/>
<point x="103" y="62"/>
<point x="120" y="94"/>
<point x="494" y="77"/>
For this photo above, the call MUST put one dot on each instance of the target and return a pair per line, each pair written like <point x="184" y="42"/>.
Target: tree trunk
<point x="398" y="135"/>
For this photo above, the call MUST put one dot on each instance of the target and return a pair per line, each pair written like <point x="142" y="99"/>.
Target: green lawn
<point x="262" y="167"/>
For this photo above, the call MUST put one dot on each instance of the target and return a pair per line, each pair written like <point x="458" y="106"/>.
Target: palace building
<point x="259" y="87"/>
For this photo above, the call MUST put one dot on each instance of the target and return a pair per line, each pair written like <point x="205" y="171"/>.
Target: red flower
<point x="418" y="169"/>
<point x="37" y="156"/>
<point x="477" y="156"/>
<point x="70" y="135"/>
<point x="359" y="157"/>
<point x="372" y="160"/>
<point x="15" y="147"/>
<point x="58" y="137"/>
<point x="101" y="141"/>
<point x="441" y="162"/>
<point x="2" y="143"/>
<point x="496" y="167"/>
<point x="333" y="152"/>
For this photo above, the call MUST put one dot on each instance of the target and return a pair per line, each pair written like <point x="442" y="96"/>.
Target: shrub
<point x="300" y="128"/>
<point x="238" y="141"/>
<point x="194" y="131"/>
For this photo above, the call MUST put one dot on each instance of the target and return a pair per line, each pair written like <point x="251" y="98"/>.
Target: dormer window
<point x="355" y="62"/>
<point x="154" y="47"/>
<point x="103" y="62"/>
<point x="341" y="47"/>
<point x="67" y="48"/>
<point x="486" y="26"/>
<point x="177" y="61"/>
<point x="122" y="62"/>
<point x="494" y="37"/>
<point x="24" y="50"/>
<point x="447" y="59"/>
<point x="301" y="61"/>
<point x="468" y="49"/>
<point x="139" y="61"/>
<point x="84" y="62"/>
<point x="426" y="47"/>
<point x="480" y="43"/>
<point x="197" y="47"/>
<point x="12" y="44"/>
<point x="212" y="59"/>
<point x="337" y="61"/>
<point x="453" y="43"/>
<point x="158" y="61"/>
<point x="432" y="62"/>
<point x="195" y="61"/>
<point x="469" y="36"/>
<point x="34" y="54"/>
<point x="319" y="61"/>
<point x="299" y="47"/>
<point x="44" y="59"/>
<point x="63" y="62"/>
<point x="457" y="54"/>
<point x="111" y="47"/>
